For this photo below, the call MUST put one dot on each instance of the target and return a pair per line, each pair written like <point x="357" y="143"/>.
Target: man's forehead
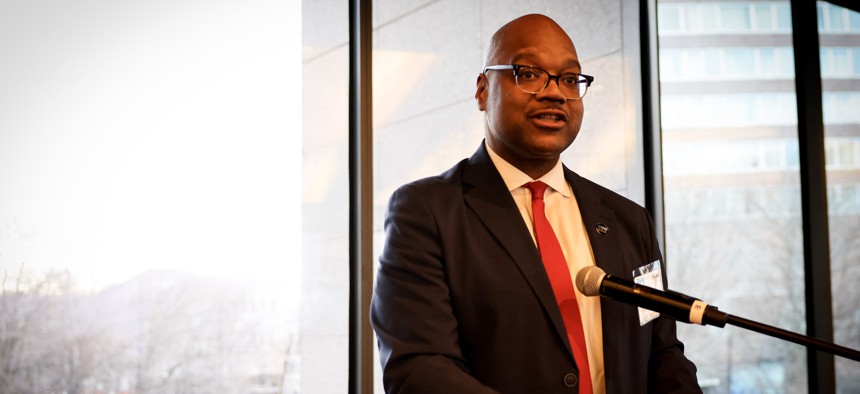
<point x="534" y="56"/>
<point x="532" y="37"/>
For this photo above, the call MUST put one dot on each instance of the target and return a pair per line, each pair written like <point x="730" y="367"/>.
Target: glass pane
<point x="732" y="201"/>
<point x="767" y="63"/>
<point x="735" y="16"/>
<point x="783" y="16"/>
<point x="841" y="99"/>
<point x="740" y="62"/>
<point x="835" y="17"/>
<point x="712" y="64"/>
<point x="148" y="232"/>
<point x="855" y="52"/>
<point x="670" y="19"/>
<point x="671" y="61"/>
<point x="785" y="61"/>
<point x="693" y="18"/>
<point x="706" y="23"/>
<point x="763" y="17"/>
<point x="854" y="20"/>
<point x="323" y="341"/>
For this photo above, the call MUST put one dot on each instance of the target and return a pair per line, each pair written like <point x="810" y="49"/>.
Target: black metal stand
<point x="793" y="337"/>
<point x="712" y="316"/>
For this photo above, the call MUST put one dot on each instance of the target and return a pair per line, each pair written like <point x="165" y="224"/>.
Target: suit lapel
<point x="595" y="217"/>
<point x="607" y="256"/>
<point x="487" y="195"/>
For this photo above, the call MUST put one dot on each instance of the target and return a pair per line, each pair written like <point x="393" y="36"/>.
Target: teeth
<point x="550" y="117"/>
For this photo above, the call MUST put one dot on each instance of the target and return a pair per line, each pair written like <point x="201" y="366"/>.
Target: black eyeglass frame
<point x="516" y="67"/>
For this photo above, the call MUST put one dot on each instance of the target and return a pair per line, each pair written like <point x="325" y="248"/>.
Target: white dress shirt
<point x="563" y="214"/>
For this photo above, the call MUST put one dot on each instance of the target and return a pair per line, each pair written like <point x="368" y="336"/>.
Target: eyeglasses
<point x="534" y="80"/>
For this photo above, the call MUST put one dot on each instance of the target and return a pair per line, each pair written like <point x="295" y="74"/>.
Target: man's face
<point x="523" y="128"/>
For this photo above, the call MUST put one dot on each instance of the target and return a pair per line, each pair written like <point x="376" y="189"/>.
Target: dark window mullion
<point x="813" y="186"/>
<point x="651" y="137"/>
<point x="360" y="198"/>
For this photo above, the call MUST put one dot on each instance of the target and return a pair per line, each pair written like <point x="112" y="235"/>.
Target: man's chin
<point x="552" y="146"/>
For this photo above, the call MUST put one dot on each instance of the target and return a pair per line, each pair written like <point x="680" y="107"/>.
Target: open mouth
<point x="550" y="119"/>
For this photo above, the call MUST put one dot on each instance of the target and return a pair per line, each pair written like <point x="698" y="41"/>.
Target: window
<point x="733" y="178"/>
<point x="149" y="233"/>
<point x="727" y="110"/>
<point x="732" y="195"/>
<point x="740" y="62"/>
<point x="763" y="17"/>
<point x="841" y="107"/>
<point x="840" y="101"/>
<point x="735" y="16"/>
<point x="670" y="18"/>
<point x="723" y="17"/>
<point x="323" y="338"/>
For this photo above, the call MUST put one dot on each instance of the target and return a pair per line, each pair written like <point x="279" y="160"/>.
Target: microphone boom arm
<point x="592" y="281"/>
<point x="808" y="341"/>
<point x="678" y="308"/>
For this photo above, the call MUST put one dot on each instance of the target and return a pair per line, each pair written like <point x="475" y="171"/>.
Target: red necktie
<point x="562" y="285"/>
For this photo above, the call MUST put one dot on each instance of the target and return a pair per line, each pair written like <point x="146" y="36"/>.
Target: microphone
<point x="592" y="281"/>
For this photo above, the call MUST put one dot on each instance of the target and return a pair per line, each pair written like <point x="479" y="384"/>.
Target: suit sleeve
<point x="669" y="370"/>
<point x="411" y="309"/>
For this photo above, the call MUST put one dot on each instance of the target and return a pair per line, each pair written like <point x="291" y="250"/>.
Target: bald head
<point x="529" y="129"/>
<point x="523" y="33"/>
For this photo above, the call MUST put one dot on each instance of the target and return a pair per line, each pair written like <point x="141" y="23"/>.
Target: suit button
<point x="570" y="380"/>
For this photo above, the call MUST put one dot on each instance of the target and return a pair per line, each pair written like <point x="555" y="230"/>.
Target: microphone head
<point x="588" y="280"/>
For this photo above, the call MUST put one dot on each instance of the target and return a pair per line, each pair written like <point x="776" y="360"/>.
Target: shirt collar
<point x="514" y="178"/>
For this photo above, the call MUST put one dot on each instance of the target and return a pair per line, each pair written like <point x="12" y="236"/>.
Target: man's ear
<point x="481" y="92"/>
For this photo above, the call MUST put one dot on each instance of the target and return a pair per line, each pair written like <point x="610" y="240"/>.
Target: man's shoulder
<point x="437" y="184"/>
<point x="596" y="190"/>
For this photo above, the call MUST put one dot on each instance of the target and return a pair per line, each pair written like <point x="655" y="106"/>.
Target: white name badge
<point x="650" y="275"/>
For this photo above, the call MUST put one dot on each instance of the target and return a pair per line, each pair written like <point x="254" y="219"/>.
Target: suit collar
<point x="514" y="178"/>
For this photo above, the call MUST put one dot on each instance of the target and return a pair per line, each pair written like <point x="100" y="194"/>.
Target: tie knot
<point x="538" y="188"/>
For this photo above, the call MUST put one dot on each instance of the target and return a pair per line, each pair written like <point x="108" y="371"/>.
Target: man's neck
<point x="536" y="169"/>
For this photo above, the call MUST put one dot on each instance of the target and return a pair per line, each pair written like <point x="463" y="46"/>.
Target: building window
<point x="149" y="240"/>
<point x="731" y="186"/>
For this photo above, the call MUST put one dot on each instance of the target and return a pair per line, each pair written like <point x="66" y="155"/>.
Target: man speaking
<point x="475" y="292"/>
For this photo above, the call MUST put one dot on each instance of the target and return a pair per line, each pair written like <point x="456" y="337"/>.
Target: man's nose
<point x="552" y="91"/>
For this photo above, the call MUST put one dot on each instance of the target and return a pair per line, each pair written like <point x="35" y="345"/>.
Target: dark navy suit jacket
<point x="462" y="303"/>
